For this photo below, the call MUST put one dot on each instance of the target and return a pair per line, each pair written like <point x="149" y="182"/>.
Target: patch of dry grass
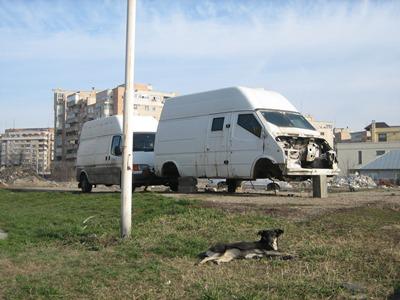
<point x="49" y="253"/>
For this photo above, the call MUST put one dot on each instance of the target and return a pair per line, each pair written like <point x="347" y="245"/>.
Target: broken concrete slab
<point x="187" y="185"/>
<point x="353" y="287"/>
<point x="3" y="235"/>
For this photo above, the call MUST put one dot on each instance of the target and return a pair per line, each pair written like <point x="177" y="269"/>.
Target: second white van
<point x="99" y="157"/>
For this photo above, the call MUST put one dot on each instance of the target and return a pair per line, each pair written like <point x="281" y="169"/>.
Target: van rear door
<point x="216" y="148"/>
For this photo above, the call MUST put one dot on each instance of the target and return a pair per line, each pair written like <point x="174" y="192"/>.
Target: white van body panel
<point x="95" y="157"/>
<point x="187" y="138"/>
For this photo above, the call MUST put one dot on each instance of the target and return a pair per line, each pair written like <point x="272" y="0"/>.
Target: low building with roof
<point x="384" y="167"/>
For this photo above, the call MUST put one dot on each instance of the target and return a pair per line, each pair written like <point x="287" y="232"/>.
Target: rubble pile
<point x="353" y="182"/>
<point x="18" y="175"/>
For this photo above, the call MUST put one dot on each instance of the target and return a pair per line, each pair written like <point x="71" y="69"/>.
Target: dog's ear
<point x="261" y="232"/>
<point x="279" y="231"/>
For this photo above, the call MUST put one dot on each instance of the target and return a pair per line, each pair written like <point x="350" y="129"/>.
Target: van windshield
<point x="287" y="119"/>
<point x="143" y="142"/>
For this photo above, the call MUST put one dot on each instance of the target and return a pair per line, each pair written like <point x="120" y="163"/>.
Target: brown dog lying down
<point x="267" y="246"/>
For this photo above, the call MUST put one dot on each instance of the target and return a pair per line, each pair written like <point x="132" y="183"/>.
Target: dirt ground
<point x="294" y="205"/>
<point x="288" y="204"/>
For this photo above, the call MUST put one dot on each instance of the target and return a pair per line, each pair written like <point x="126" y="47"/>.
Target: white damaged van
<point x="99" y="157"/>
<point x="239" y="134"/>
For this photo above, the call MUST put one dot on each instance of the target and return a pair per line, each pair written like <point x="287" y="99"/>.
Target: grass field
<point x="52" y="253"/>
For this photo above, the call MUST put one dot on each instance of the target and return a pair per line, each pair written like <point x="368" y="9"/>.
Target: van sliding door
<point x="216" y="148"/>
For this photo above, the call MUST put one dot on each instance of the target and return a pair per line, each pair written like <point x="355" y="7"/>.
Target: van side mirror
<point x="117" y="151"/>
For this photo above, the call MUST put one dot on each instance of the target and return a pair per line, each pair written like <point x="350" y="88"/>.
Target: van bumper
<point x="310" y="172"/>
<point x="147" y="178"/>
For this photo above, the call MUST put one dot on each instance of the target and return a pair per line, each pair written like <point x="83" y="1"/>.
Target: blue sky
<point x="337" y="60"/>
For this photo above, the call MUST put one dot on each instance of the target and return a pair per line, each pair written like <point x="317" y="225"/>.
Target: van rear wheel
<point x="86" y="187"/>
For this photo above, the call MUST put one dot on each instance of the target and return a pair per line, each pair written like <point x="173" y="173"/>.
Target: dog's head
<point x="270" y="237"/>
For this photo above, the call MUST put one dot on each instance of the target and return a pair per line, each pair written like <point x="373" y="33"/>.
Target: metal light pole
<point x="127" y="159"/>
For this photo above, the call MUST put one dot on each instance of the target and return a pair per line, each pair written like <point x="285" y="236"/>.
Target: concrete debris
<point x="353" y="182"/>
<point x="354" y="288"/>
<point x="17" y="175"/>
<point x="3" y="235"/>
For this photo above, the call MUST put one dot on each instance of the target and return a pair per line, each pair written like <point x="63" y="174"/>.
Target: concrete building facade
<point x="356" y="149"/>
<point x="341" y="134"/>
<point x="147" y="102"/>
<point x="28" y="147"/>
<point x="382" y="132"/>
<point x="325" y="128"/>
<point x="352" y="156"/>
<point x="60" y="108"/>
<point x="77" y="113"/>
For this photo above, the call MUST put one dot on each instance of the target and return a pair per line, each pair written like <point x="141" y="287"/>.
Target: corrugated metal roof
<point x="388" y="161"/>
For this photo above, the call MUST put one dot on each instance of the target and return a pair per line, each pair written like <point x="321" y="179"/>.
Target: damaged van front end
<point x="307" y="156"/>
<point x="305" y="152"/>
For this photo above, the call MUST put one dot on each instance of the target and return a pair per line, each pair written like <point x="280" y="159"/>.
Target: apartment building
<point x="324" y="128"/>
<point x="77" y="113"/>
<point x="70" y="112"/>
<point x="28" y="147"/>
<point x="147" y="102"/>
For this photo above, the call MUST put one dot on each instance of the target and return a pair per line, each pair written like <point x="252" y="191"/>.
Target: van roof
<point x="114" y="124"/>
<point x="224" y="100"/>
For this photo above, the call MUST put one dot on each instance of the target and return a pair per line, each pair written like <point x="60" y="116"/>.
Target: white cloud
<point x="342" y="54"/>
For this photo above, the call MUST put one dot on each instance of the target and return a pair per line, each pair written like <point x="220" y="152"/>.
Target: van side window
<point x="217" y="124"/>
<point x="250" y="123"/>
<point x="116" y="143"/>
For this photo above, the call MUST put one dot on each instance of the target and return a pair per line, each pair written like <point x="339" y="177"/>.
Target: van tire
<point x="174" y="186"/>
<point x="86" y="187"/>
<point x="232" y="185"/>
<point x="171" y="173"/>
<point x="273" y="186"/>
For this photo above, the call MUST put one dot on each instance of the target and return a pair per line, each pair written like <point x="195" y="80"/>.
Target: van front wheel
<point x="174" y="186"/>
<point x="85" y="184"/>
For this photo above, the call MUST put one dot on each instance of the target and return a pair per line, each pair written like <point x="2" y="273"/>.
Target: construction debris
<point x="17" y="175"/>
<point x="3" y="235"/>
<point x="353" y="182"/>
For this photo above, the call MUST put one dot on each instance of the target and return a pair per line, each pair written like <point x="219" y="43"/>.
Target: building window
<point x="217" y="124"/>
<point x="146" y="107"/>
<point x="380" y="152"/>
<point x="134" y="106"/>
<point x="382" y="137"/>
<point x="359" y="157"/>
